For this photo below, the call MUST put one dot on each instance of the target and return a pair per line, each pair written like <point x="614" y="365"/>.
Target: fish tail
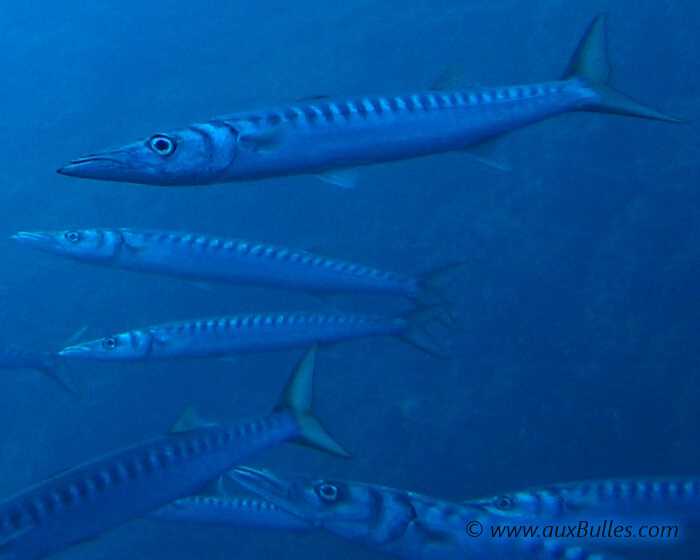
<point x="415" y="332"/>
<point x="56" y="369"/>
<point x="591" y="64"/>
<point x="433" y="285"/>
<point x="297" y="397"/>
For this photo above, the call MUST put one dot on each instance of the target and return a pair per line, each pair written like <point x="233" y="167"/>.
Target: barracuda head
<point x="519" y="504"/>
<point x="130" y="346"/>
<point x="194" y="155"/>
<point x="86" y="244"/>
<point x="365" y="513"/>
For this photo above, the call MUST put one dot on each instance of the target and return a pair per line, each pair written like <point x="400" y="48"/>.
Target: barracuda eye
<point x="72" y="236"/>
<point x="503" y="503"/>
<point x="110" y="343"/>
<point x="162" y="145"/>
<point x="327" y="492"/>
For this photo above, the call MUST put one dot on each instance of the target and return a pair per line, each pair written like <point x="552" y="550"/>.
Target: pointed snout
<point x="32" y="238"/>
<point x="111" y="166"/>
<point x="77" y="351"/>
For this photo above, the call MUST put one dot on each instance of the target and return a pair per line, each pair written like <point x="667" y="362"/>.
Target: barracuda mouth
<point x="31" y="238"/>
<point x="263" y="483"/>
<point x="74" y="351"/>
<point x="94" y="166"/>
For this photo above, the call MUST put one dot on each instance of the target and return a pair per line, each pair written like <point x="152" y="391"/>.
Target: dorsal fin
<point x="312" y="98"/>
<point x="216" y="489"/>
<point x="187" y="422"/>
<point x="453" y="78"/>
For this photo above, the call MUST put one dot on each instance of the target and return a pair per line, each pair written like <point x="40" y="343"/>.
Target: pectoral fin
<point x="264" y="140"/>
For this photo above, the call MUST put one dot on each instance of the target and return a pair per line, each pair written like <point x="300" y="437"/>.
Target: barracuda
<point x="207" y="258"/>
<point x="85" y="501"/>
<point x="326" y="137"/>
<point x="400" y="523"/>
<point x="225" y="336"/>
<point x="678" y="498"/>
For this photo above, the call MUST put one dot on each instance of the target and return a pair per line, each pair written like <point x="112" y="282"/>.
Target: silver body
<point x="207" y="258"/>
<point x="321" y="136"/>
<point x="234" y="335"/>
<point x="347" y="132"/>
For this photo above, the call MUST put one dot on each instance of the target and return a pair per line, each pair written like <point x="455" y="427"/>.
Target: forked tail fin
<point x="55" y="368"/>
<point x="415" y="332"/>
<point x="433" y="285"/>
<point x="433" y="282"/>
<point x="297" y="397"/>
<point x="591" y="64"/>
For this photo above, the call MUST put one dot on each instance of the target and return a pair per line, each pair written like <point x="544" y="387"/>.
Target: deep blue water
<point x="579" y="353"/>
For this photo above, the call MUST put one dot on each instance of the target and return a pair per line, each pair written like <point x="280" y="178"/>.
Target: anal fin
<point x="491" y="153"/>
<point x="346" y="178"/>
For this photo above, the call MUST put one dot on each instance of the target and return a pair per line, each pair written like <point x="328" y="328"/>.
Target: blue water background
<point x="578" y="356"/>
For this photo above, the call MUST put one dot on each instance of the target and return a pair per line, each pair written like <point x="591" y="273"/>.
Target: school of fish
<point x="186" y="475"/>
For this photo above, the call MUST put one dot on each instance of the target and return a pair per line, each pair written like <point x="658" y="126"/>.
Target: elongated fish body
<point x="326" y="135"/>
<point x="668" y="498"/>
<point x="207" y="258"/>
<point x="91" y="498"/>
<point x="235" y="511"/>
<point x="401" y="523"/>
<point x="246" y="333"/>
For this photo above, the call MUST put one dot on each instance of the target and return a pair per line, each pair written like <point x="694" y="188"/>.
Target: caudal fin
<point x="297" y="397"/>
<point x="433" y="285"/>
<point x="55" y="368"/>
<point x="591" y="64"/>
<point x="415" y="332"/>
<point x="434" y="282"/>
